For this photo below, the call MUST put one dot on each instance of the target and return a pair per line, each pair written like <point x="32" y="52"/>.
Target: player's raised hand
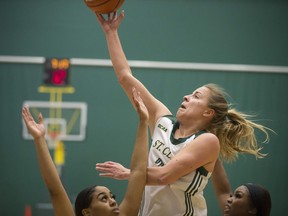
<point x="140" y="106"/>
<point x="37" y="130"/>
<point x="112" y="22"/>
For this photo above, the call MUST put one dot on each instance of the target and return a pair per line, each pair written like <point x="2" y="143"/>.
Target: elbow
<point x="124" y="78"/>
<point x="55" y="190"/>
<point x="164" y="180"/>
<point x="52" y="192"/>
<point x="159" y="176"/>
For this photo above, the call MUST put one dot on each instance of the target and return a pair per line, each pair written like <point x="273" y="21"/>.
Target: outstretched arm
<point x="201" y="152"/>
<point x="221" y="184"/>
<point x="123" y="70"/>
<point x="60" y="201"/>
<point x="113" y="170"/>
<point x="139" y="161"/>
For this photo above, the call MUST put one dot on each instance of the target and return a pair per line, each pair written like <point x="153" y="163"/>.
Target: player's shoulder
<point x="208" y="138"/>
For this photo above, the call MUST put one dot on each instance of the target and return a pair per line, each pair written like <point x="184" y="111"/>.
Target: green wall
<point x="238" y="32"/>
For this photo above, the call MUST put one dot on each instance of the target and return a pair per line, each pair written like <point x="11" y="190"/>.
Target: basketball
<point x="104" y="6"/>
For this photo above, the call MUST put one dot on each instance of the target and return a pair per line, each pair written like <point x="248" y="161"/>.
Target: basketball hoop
<point x="65" y="121"/>
<point x="52" y="139"/>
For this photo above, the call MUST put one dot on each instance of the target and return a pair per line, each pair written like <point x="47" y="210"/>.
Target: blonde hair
<point x="235" y="130"/>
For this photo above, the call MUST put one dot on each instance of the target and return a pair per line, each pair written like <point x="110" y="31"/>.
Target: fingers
<point x="114" y="15"/>
<point x="106" y="170"/>
<point x="26" y="114"/>
<point x="25" y="111"/>
<point x="137" y="99"/>
<point x="101" y="166"/>
<point x="140" y="105"/>
<point x="136" y="94"/>
<point x="109" y="162"/>
<point x="103" y="170"/>
<point x="110" y="16"/>
<point x="121" y="16"/>
<point x="100" y="18"/>
<point x="109" y="175"/>
<point x="106" y="162"/>
<point x="28" y="117"/>
<point x="40" y="118"/>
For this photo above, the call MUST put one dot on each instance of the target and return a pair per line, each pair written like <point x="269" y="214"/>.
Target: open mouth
<point x="116" y="210"/>
<point x="226" y="209"/>
<point x="182" y="106"/>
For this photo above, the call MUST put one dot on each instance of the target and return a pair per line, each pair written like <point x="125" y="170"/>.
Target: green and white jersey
<point x="185" y="196"/>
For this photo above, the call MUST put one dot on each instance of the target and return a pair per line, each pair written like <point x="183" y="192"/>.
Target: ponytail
<point x="237" y="135"/>
<point x="234" y="129"/>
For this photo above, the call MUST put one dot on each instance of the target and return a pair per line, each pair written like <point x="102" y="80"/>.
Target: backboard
<point x="65" y="121"/>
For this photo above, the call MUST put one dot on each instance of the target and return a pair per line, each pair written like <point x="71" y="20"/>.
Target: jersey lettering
<point x="159" y="162"/>
<point x="162" y="127"/>
<point x="160" y="146"/>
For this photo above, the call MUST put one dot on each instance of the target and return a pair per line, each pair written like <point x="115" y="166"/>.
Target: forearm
<point x="47" y="167"/>
<point x="117" y="55"/>
<point x="153" y="177"/>
<point x="127" y="80"/>
<point x="221" y="184"/>
<point x="121" y="66"/>
<point x="158" y="176"/>
<point x="140" y="153"/>
<point x="59" y="198"/>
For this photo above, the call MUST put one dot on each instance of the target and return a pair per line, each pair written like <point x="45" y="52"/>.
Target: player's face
<point x="103" y="203"/>
<point x="239" y="204"/>
<point x="195" y="104"/>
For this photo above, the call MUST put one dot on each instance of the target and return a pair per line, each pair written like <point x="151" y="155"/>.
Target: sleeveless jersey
<point x="185" y="196"/>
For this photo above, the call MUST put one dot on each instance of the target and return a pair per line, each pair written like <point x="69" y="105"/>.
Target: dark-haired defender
<point x="94" y="200"/>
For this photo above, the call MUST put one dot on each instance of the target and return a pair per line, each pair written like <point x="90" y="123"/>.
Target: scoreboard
<point x="57" y="72"/>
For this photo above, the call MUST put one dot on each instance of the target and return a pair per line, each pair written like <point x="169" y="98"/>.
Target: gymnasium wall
<point x="224" y="32"/>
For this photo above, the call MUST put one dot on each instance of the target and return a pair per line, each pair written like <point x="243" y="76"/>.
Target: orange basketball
<point x="104" y="6"/>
